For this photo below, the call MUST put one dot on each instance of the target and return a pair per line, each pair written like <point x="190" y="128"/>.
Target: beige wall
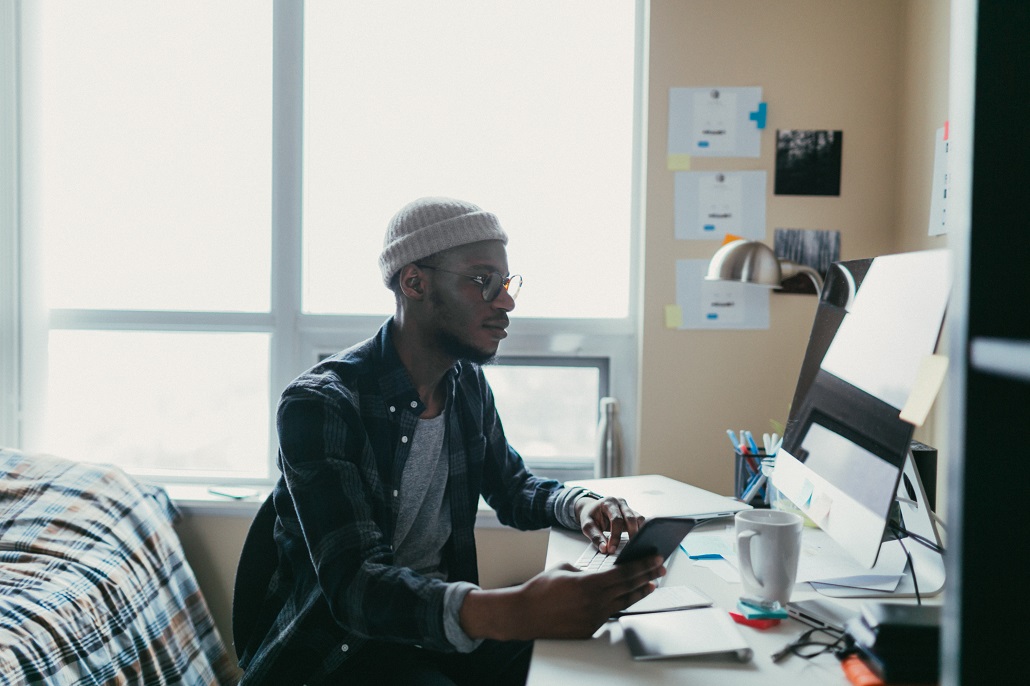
<point x="875" y="69"/>
<point x="846" y="66"/>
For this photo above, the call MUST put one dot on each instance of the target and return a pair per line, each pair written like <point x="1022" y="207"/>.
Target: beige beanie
<point x="428" y="225"/>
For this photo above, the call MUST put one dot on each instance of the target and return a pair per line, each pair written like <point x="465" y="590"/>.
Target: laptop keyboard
<point x="593" y="559"/>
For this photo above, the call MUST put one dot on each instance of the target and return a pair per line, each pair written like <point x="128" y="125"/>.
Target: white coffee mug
<point x="768" y="549"/>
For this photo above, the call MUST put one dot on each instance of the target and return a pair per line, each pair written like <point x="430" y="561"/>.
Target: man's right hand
<point x="563" y="602"/>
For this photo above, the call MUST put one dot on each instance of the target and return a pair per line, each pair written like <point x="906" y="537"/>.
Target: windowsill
<point x="196" y="500"/>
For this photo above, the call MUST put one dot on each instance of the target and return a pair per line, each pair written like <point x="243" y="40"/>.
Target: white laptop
<point x="653" y="495"/>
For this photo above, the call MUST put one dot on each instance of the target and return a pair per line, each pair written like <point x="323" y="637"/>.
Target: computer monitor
<point x="846" y="451"/>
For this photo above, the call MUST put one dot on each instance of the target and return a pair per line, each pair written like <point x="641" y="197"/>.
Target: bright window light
<point x="524" y="108"/>
<point x="160" y="403"/>
<point x="155" y="154"/>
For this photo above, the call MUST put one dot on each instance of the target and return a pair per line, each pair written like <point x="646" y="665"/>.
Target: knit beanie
<point x="428" y="225"/>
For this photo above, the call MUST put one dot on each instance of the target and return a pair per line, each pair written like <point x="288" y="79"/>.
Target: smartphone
<point x="658" y="536"/>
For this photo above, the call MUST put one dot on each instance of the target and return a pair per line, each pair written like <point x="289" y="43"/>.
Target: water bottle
<point x="609" y="440"/>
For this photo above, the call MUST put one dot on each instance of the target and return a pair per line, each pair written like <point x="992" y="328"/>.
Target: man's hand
<point x="609" y="514"/>
<point x="558" y="603"/>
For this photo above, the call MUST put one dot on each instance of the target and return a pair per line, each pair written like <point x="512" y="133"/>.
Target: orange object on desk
<point x="858" y="672"/>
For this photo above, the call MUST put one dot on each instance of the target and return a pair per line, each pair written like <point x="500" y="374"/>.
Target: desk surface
<point x="605" y="658"/>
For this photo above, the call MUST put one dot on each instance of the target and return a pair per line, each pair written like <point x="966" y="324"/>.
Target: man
<point x="384" y="451"/>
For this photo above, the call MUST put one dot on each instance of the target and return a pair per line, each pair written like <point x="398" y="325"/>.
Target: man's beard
<point x="460" y="350"/>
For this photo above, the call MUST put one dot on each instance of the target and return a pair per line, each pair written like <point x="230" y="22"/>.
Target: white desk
<point x="605" y="659"/>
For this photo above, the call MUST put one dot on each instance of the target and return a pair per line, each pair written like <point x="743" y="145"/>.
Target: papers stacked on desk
<point x="668" y="598"/>
<point x="823" y="563"/>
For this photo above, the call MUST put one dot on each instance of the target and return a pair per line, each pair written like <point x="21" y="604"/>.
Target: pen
<point x="767" y="443"/>
<point x="733" y="440"/>
<point x="751" y="442"/>
<point x="703" y="556"/>
<point x="753" y="487"/>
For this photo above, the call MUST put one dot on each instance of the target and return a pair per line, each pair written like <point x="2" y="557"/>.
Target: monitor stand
<point x="928" y="564"/>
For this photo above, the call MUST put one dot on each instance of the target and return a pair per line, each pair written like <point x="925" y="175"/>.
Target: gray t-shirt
<point x="424" y="521"/>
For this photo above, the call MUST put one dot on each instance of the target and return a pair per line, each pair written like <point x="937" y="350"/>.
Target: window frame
<point x="297" y="338"/>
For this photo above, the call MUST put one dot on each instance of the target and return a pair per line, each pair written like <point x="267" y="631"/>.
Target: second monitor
<point x="845" y="455"/>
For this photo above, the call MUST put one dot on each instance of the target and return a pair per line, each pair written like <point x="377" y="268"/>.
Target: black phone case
<point x="658" y="536"/>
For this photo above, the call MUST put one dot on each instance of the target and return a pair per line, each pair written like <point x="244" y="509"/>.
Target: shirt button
<point x="344" y="648"/>
<point x="396" y="493"/>
<point x="414" y="404"/>
<point x="404" y="439"/>
<point x="392" y="408"/>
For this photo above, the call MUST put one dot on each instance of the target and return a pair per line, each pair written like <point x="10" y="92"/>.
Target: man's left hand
<point x="608" y="514"/>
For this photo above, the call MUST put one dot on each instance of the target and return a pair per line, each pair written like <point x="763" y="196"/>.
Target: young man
<point x="384" y="450"/>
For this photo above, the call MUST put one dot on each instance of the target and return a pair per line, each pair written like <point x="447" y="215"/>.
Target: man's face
<point x="467" y="327"/>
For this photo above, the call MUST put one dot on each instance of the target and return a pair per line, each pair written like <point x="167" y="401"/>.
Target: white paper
<point x="822" y="559"/>
<point x="709" y="205"/>
<point x="718" y="304"/>
<point x="714" y="122"/>
<point x="892" y="325"/>
<point x="667" y="598"/>
<point x="939" y="194"/>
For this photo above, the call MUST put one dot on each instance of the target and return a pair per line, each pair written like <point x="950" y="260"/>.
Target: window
<point x="204" y="189"/>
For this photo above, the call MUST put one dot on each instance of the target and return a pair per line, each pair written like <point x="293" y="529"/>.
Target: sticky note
<point x="678" y="162"/>
<point x="759" y="116"/>
<point x="929" y="379"/>
<point x="673" y="316"/>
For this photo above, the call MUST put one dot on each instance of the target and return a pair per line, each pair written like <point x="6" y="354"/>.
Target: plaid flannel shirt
<point x="344" y="436"/>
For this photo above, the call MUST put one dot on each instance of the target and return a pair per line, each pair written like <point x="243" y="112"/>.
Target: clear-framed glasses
<point x="492" y="283"/>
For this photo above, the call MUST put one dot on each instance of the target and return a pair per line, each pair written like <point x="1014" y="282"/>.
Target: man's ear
<point x="412" y="282"/>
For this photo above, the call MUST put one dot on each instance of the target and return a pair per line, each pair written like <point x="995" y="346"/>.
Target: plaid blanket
<point x="94" y="583"/>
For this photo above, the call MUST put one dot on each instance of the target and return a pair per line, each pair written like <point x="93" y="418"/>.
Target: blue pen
<point x="751" y="442"/>
<point x="733" y="440"/>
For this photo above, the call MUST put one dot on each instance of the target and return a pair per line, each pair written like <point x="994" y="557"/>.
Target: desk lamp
<point x="755" y="262"/>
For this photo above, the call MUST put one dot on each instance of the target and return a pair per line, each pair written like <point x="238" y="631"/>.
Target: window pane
<point x="156" y="402"/>
<point x="549" y="413"/>
<point x="524" y="108"/>
<point x="155" y="153"/>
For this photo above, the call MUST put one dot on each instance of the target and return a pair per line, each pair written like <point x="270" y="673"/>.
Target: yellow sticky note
<point x="673" y="317"/>
<point x="678" y="162"/>
<point x="928" y="383"/>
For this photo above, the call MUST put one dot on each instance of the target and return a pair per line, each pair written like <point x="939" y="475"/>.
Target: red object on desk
<point x="858" y="672"/>
<point x="756" y="623"/>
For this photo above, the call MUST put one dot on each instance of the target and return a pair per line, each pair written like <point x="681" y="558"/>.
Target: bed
<point x="94" y="584"/>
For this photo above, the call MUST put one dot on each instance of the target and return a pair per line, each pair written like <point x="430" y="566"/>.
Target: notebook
<point x="653" y="495"/>
<point x="685" y="633"/>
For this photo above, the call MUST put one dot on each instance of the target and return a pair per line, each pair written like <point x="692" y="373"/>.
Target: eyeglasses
<point x="492" y="283"/>
<point x="813" y="643"/>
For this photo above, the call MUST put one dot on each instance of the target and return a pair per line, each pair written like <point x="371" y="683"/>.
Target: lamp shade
<point x="746" y="261"/>
<point x="755" y="263"/>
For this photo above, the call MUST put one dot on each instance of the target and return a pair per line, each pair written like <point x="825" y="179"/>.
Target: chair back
<point x="258" y="562"/>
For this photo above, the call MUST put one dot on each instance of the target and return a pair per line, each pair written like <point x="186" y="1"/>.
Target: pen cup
<point x="747" y="468"/>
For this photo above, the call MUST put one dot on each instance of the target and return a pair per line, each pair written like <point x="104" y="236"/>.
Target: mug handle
<point x="744" y="554"/>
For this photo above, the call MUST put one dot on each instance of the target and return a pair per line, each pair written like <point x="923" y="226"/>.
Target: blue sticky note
<point x="759" y="116"/>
